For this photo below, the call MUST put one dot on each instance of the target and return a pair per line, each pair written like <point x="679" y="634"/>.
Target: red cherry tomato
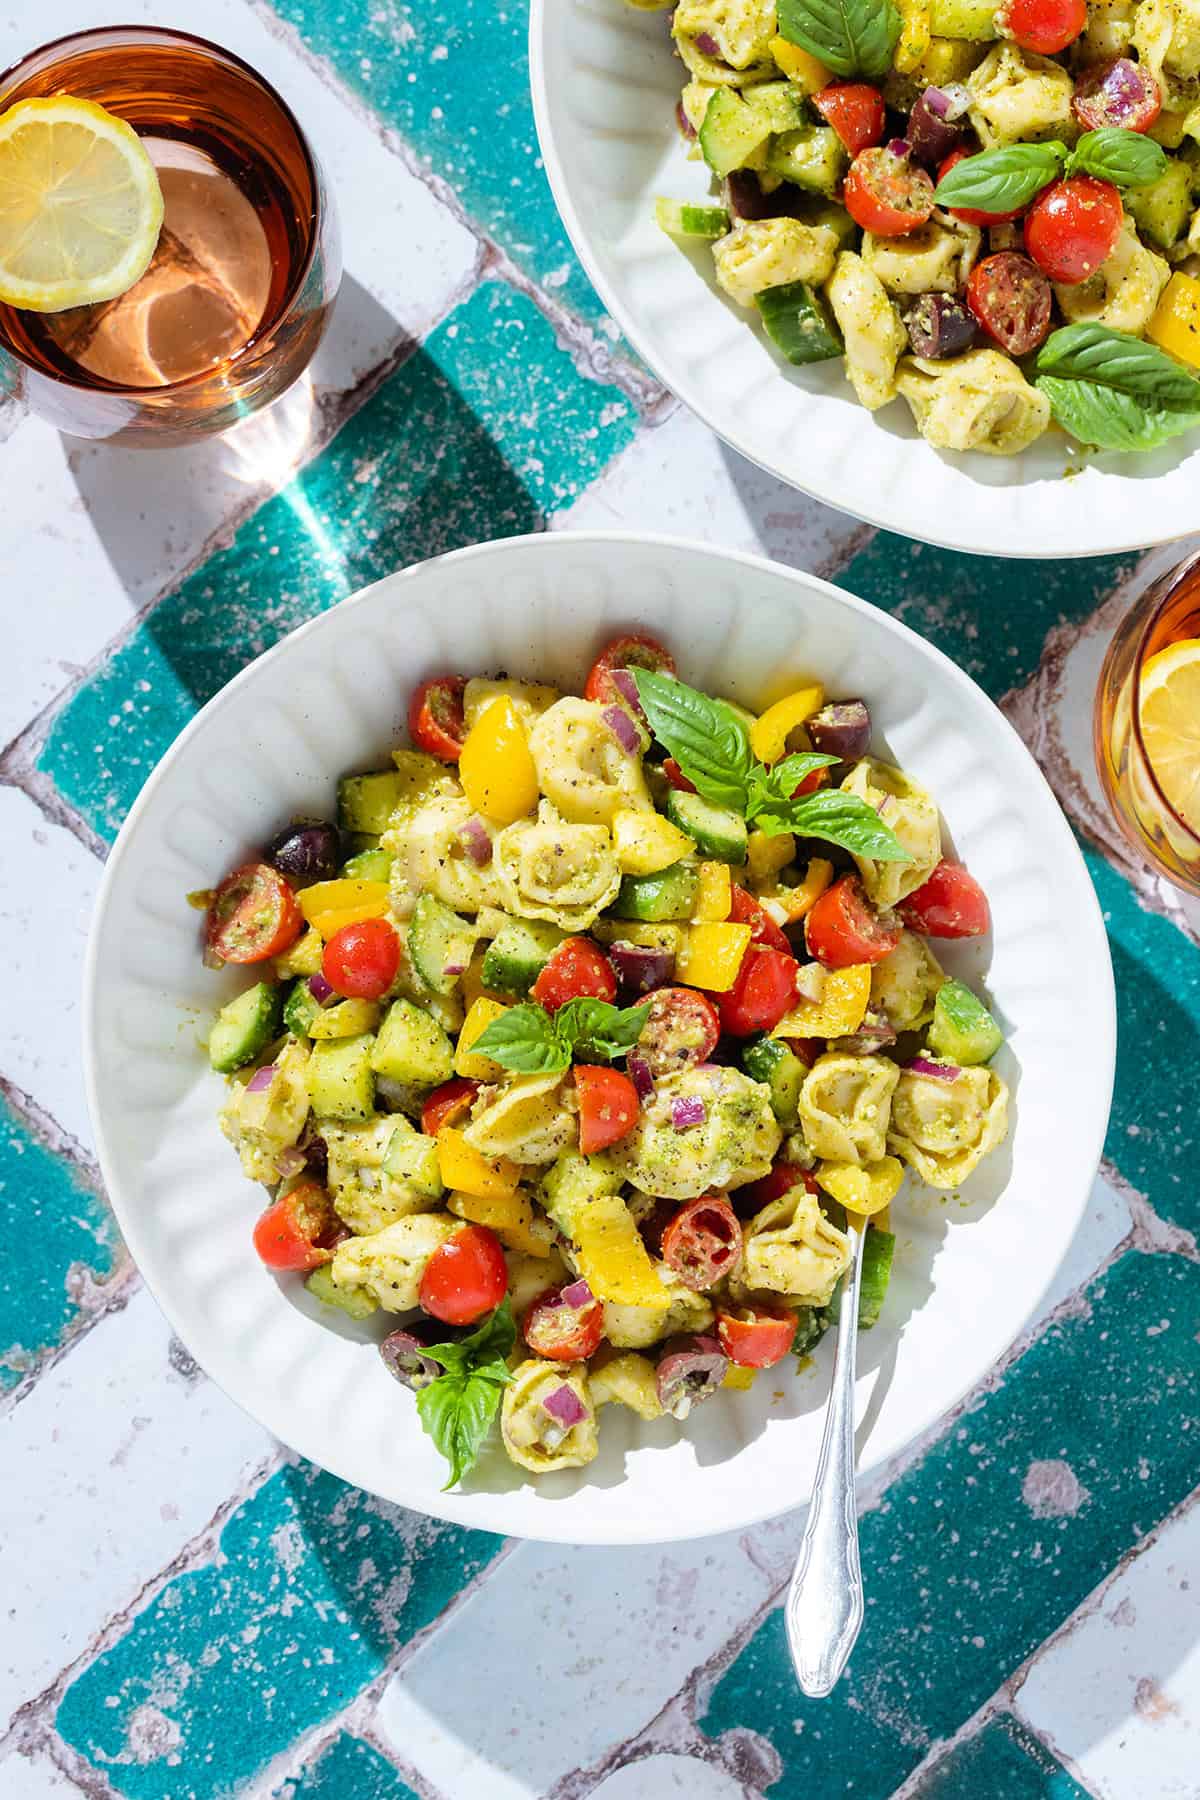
<point x="811" y="783"/>
<point x="435" y="717"/>
<point x="703" y="1242"/>
<point x="574" y="969"/>
<point x="560" y="1331"/>
<point x="807" y="1049"/>
<point x="764" y="990"/>
<point x="887" y="194"/>
<point x="1072" y="227"/>
<point x="855" y="110"/>
<point x="763" y="929"/>
<point x="756" y="1337"/>
<point x="608" y="1107"/>
<point x="1011" y="299"/>
<point x="951" y="904"/>
<point x="361" y="960"/>
<point x="465" y="1277"/>
<point x="1043" y="26"/>
<point x="636" y="650"/>
<point x="447" y="1103"/>
<point x="676" y="777"/>
<point x="1119" y="93"/>
<point x="971" y="215"/>
<point x="843" y="928"/>
<point x="254" y="915"/>
<point x="681" y="1029"/>
<point x="294" y="1232"/>
<point x="783" y="1177"/>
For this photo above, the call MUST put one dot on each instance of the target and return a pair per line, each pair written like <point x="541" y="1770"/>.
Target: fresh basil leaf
<point x="525" y="1039"/>
<point x="851" y="37"/>
<point x="458" y="1408"/>
<point x="1126" y="158"/>
<point x="495" y="1337"/>
<point x="1001" y="180"/>
<point x="1110" y="420"/>
<point x="706" y="737"/>
<point x="771" y="789"/>
<point x="844" y="819"/>
<point x="1114" y="359"/>
<point x="596" y="1028"/>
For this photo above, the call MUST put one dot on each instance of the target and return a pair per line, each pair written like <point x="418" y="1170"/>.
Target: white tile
<point x="114" y="1461"/>
<point x="669" y="1778"/>
<point x="1120" y="1695"/>
<point x="569" y="1617"/>
<point x="1106" y="1221"/>
<point x="34" y="1778"/>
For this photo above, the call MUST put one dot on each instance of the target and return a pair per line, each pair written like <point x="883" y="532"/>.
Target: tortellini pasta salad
<point x="985" y="208"/>
<point x="579" y="1041"/>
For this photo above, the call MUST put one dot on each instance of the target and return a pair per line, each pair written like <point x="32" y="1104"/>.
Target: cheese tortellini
<point x="1019" y="97"/>
<point x="765" y="253"/>
<point x="366" y="1196"/>
<point x="869" y="323"/>
<point x="431" y="858"/>
<point x="733" y="1143"/>
<point x="977" y="401"/>
<point x="912" y="814"/>
<point x="637" y="1327"/>
<point x="791" y="1248"/>
<point x="534" y="1432"/>
<point x="943" y="1128"/>
<point x="905" y="984"/>
<point x="581" y="768"/>
<point x="741" y="30"/>
<point x="553" y="870"/>
<point x="1123" y="292"/>
<point x="845" y="1106"/>
<point x="1166" y="36"/>
<point x="936" y="258"/>
<point x="626" y="1380"/>
<point x="389" y="1264"/>
<point x="531" y="1119"/>
<point x="261" y="1124"/>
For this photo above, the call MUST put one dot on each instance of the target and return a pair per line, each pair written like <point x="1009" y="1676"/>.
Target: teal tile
<point x="988" y="613"/>
<point x="66" y="1241"/>
<point x="314" y="1585"/>
<point x="453" y="80"/>
<point x="980" y="1550"/>
<point x="480" y="434"/>
<point x="348" y="1769"/>
<point x="1004" y="1761"/>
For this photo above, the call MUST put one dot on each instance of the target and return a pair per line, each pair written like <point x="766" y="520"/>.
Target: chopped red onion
<point x="320" y="989"/>
<point x="626" y="685"/>
<point x="899" y="146"/>
<point x="639" y="1074"/>
<point x="578" y="1294"/>
<point x="565" y="1405"/>
<point x="921" y="1065"/>
<point x="685" y="124"/>
<point x="707" y="43"/>
<point x="639" y="969"/>
<point x="623" y="729"/>
<point x="289" y="1162"/>
<point x="476" y="841"/>
<point x="686" y="1113"/>
<point x="261" y="1078"/>
<point x="948" y="103"/>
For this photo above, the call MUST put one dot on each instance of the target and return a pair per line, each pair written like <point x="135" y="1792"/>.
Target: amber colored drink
<point x="237" y="297"/>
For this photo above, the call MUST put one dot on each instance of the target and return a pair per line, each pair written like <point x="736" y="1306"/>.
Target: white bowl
<point x="331" y="698"/>
<point x="605" y="85"/>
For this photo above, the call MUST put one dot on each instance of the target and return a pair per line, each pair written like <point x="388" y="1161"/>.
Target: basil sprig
<point x="711" y="744"/>
<point x="1003" y="180"/>
<point x="1115" y="391"/>
<point x="458" y="1408"/>
<point x="1126" y="158"/>
<point x="851" y="37"/>
<point x="531" y="1041"/>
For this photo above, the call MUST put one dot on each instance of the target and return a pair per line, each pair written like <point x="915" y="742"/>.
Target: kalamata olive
<point x="875" y="1033"/>
<point x="689" y="1370"/>
<point x="306" y="852"/>
<point x="403" y="1353"/>
<point x="938" y="325"/>
<point x="843" y="729"/>
<point x="932" y="132"/>
<point x="639" y="969"/>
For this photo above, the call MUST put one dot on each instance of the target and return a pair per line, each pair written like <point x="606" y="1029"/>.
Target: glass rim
<point x="164" y="390"/>
<point x="1172" y="581"/>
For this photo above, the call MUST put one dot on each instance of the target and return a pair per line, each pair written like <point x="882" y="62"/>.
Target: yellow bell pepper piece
<point x="496" y="769"/>
<point x="711" y="955"/>
<point x="714" y="896"/>
<point x="766" y="855"/>
<point x="649" y="937"/>
<point x="840" y="1010"/>
<point x="863" y="1190"/>
<point x="804" y="70"/>
<point x="461" y="1167"/>
<point x="737" y="1377"/>
<point x="328" y="905"/>
<point x="612" y="1258"/>
<point x="303" y="958"/>
<point x="914" y="37"/>
<point x="770" y="733"/>
<point x="645" y="842"/>
<point x="798" y="902"/>
<point x="468" y="1061"/>
<point x="510" y="1216"/>
<point x="1175" y="326"/>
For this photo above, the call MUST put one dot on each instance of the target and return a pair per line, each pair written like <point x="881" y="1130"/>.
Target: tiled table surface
<point x="190" y="1614"/>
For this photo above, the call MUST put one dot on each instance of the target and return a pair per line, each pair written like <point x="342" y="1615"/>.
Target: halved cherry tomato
<point x="756" y="1337"/>
<point x="294" y="1232"/>
<point x="560" y="1331"/>
<point x="676" y="777"/>
<point x="951" y="904"/>
<point x="1043" y="26"/>
<point x="764" y="990"/>
<point x="763" y="929"/>
<point x="1118" y="93"/>
<point x="361" y="960"/>
<point x="465" y="1277"/>
<point x="435" y="717"/>
<point x="254" y="915"/>
<point x="681" y="1029"/>
<point x="1072" y="227"/>
<point x="447" y="1103"/>
<point x="636" y="650"/>
<point x="887" y="194"/>
<point x="1011" y="299"/>
<point x="575" y="968"/>
<point x="703" y="1242"/>
<point x="608" y="1106"/>
<point x="855" y="110"/>
<point x="811" y="783"/>
<point x="783" y="1177"/>
<point x="971" y="215"/>
<point x="844" y="928"/>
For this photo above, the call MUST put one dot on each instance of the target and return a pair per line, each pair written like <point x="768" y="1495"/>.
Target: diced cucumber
<point x="645" y="937"/>
<point x="686" y="219"/>
<point x="367" y="802"/>
<point x="413" y="1157"/>
<point x="355" y="1302"/>
<point x="368" y="865"/>
<point x="877" y="1252"/>
<point x="245" y="1027"/>
<point x="669" y="895"/>
<point x="517" y="955"/>
<point x="1162" y="210"/>
<point x="813" y="157"/>
<point x="303" y="958"/>
<point x="730" y="131"/>
<point x="717" y="831"/>
<point x="412" y="1047"/>
<point x="777" y="104"/>
<point x="349" y="1018"/>
<point x="340" y="1082"/>
<point x="963" y="1030"/>
<point x="975" y="19"/>
<point x="835" y="217"/>
<point x="769" y="1059"/>
<point x="440" y="944"/>
<point x="300" y="1009"/>
<point x="358" y="841"/>
<point x="799" y="323"/>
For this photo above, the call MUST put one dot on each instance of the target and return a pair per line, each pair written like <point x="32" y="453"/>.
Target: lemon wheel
<point x="1169" y="710"/>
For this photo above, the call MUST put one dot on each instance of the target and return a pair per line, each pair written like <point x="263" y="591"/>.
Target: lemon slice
<point x="1169" y="708"/>
<point x="80" y="205"/>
